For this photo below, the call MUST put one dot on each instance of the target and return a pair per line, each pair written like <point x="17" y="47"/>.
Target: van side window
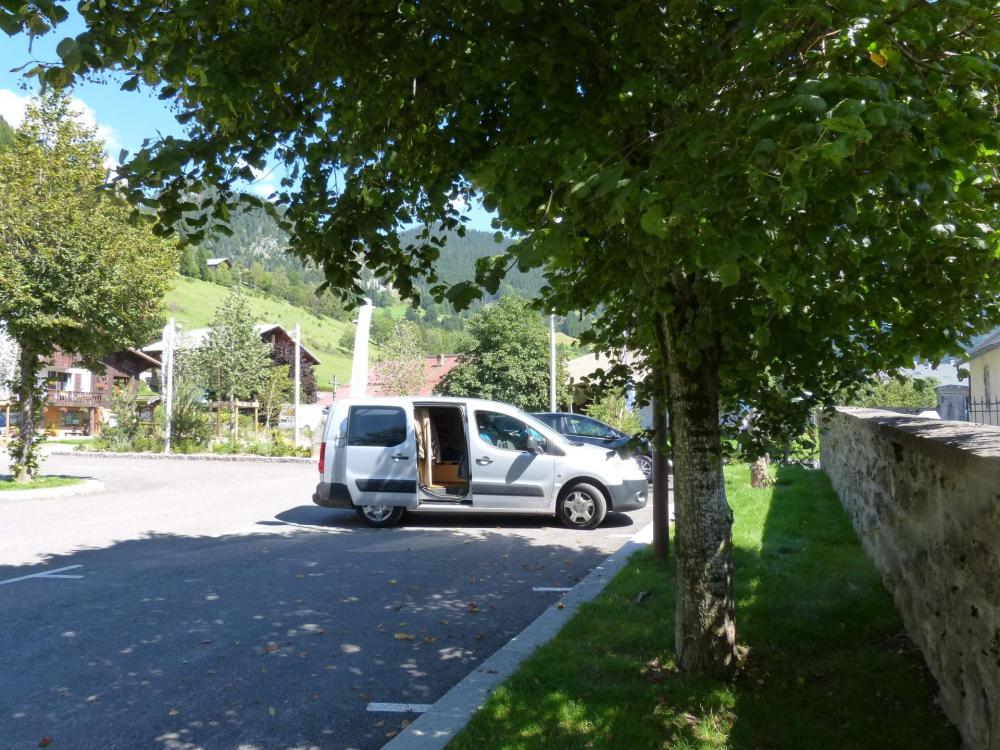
<point x="382" y="426"/>
<point x="508" y="433"/>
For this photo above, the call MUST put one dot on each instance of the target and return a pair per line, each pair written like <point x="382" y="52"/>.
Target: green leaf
<point x="652" y="221"/>
<point x="69" y="52"/>
<point x="729" y="273"/>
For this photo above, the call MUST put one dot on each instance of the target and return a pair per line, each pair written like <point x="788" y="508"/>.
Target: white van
<point x="386" y="456"/>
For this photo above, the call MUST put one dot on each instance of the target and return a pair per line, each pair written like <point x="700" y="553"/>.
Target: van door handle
<point x="400" y="457"/>
<point x="484" y="461"/>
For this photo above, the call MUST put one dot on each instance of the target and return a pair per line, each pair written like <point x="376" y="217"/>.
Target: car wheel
<point x="582" y="506"/>
<point x="381" y="516"/>
<point x="645" y="465"/>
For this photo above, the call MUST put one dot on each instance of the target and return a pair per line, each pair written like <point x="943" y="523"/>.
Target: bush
<point x="611" y="409"/>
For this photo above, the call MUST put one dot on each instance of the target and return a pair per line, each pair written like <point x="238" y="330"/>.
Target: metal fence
<point x="984" y="411"/>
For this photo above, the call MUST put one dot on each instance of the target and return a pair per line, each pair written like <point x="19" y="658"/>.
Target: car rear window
<point x="382" y="426"/>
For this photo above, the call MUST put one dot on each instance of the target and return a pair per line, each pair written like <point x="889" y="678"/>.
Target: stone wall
<point x="924" y="497"/>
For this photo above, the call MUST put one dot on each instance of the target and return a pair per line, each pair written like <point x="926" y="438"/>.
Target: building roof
<point x="195" y="337"/>
<point x="436" y="366"/>
<point x="215" y="262"/>
<point x="987" y="344"/>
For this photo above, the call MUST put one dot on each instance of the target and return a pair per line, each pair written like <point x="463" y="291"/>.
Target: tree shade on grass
<point x="828" y="662"/>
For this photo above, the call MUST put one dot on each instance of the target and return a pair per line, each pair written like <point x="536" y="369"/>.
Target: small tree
<point x="400" y="369"/>
<point x="75" y="274"/>
<point x="508" y="359"/>
<point x="275" y="391"/>
<point x="611" y="408"/>
<point x="885" y="390"/>
<point x="233" y="359"/>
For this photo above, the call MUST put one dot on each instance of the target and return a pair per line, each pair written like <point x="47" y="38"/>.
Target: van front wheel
<point x="381" y="516"/>
<point x="582" y="506"/>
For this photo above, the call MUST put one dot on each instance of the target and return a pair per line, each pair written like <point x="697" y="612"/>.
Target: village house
<point x="78" y="399"/>
<point x="984" y="380"/>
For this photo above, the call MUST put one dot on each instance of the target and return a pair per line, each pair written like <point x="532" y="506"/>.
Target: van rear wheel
<point x="582" y="506"/>
<point x="381" y="516"/>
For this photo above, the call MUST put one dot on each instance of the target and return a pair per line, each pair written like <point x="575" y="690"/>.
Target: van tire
<point x="380" y="520"/>
<point x="582" y="506"/>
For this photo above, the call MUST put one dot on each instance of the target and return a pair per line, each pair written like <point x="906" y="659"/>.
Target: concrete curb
<point x="449" y="715"/>
<point x="86" y="487"/>
<point x="192" y="457"/>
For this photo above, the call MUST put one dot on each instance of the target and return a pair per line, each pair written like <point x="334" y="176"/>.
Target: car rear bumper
<point x="631" y="494"/>
<point x="332" y="495"/>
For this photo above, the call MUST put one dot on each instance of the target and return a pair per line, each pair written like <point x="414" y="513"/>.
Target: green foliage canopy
<point x="507" y="358"/>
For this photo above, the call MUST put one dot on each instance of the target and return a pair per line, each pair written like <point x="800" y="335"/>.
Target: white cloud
<point x="13" y="106"/>
<point x="262" y="189"/>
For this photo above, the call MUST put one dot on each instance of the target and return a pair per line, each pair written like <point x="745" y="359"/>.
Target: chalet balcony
<point x="78" y="398"/>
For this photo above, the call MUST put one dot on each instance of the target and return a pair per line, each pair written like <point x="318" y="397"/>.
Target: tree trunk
<point x="25" y="465"/>
<point x="706" y="626"/>
<point x="760" y="475"/>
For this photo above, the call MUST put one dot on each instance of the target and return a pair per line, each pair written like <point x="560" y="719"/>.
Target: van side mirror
<point x="532" y="446"/>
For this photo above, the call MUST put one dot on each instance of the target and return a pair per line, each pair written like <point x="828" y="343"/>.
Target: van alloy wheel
<point x="579" y="507"/>
<point x="582" y="506"/>
<point x="376" y="513"/>
<point x="381" y="516"/>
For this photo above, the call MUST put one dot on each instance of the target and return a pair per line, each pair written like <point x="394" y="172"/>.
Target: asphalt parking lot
<point x="211" y="605"/>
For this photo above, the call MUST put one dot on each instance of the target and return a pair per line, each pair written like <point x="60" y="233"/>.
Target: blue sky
<point x="123" y="118"/>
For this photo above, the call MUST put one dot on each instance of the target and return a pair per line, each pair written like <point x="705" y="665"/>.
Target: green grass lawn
<point x="38" y="483"/>
<point x="193" y="302"/>
<point x="69" y="441"/>
<point x="828" y="665"/>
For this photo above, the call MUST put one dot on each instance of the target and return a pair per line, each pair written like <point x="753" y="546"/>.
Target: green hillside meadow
<point x="193" y="302"/>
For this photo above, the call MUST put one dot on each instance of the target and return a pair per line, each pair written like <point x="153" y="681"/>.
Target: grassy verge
<point x="828" y="664"/>
<point x="38" y="483"/>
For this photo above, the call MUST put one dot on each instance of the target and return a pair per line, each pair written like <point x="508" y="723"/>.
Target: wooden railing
<point x="78" y="398"/>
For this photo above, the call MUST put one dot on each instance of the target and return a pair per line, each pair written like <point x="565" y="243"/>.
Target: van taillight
<point x="322" y="456"/>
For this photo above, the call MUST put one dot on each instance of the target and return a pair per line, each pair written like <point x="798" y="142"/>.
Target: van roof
<point x="401" y="400"/>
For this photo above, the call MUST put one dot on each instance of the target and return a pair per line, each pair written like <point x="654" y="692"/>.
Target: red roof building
<point x="436" y="367"/>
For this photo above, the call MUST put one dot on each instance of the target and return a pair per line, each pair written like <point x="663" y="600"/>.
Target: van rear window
<point x="382" y="426"/>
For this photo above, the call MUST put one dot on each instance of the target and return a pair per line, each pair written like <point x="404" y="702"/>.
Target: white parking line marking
<point x="44" y="574"/>
<point x="551" y="589"/>
<point x="399" y="708"/>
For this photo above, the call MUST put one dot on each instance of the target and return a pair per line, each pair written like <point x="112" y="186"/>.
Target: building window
<point x="72" y="419"/>
<point x="58" y="381"/>
<point x="986" y="383"/>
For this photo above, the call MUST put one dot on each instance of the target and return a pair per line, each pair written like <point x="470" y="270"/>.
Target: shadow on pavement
<point x="276" y="639"/>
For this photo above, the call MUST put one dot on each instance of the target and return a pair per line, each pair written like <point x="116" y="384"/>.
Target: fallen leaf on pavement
<point x="173" y="712"/>
<point x="45" y="742"/>
<point x="404" y="723"/>
<point x="270" y="710"/>
<point x="429" y="639"/>
<point x="393" y="733"/>
<point x="92" y="699"/>
<point x="404" y="637"/>
<point x="560" y="605"/>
